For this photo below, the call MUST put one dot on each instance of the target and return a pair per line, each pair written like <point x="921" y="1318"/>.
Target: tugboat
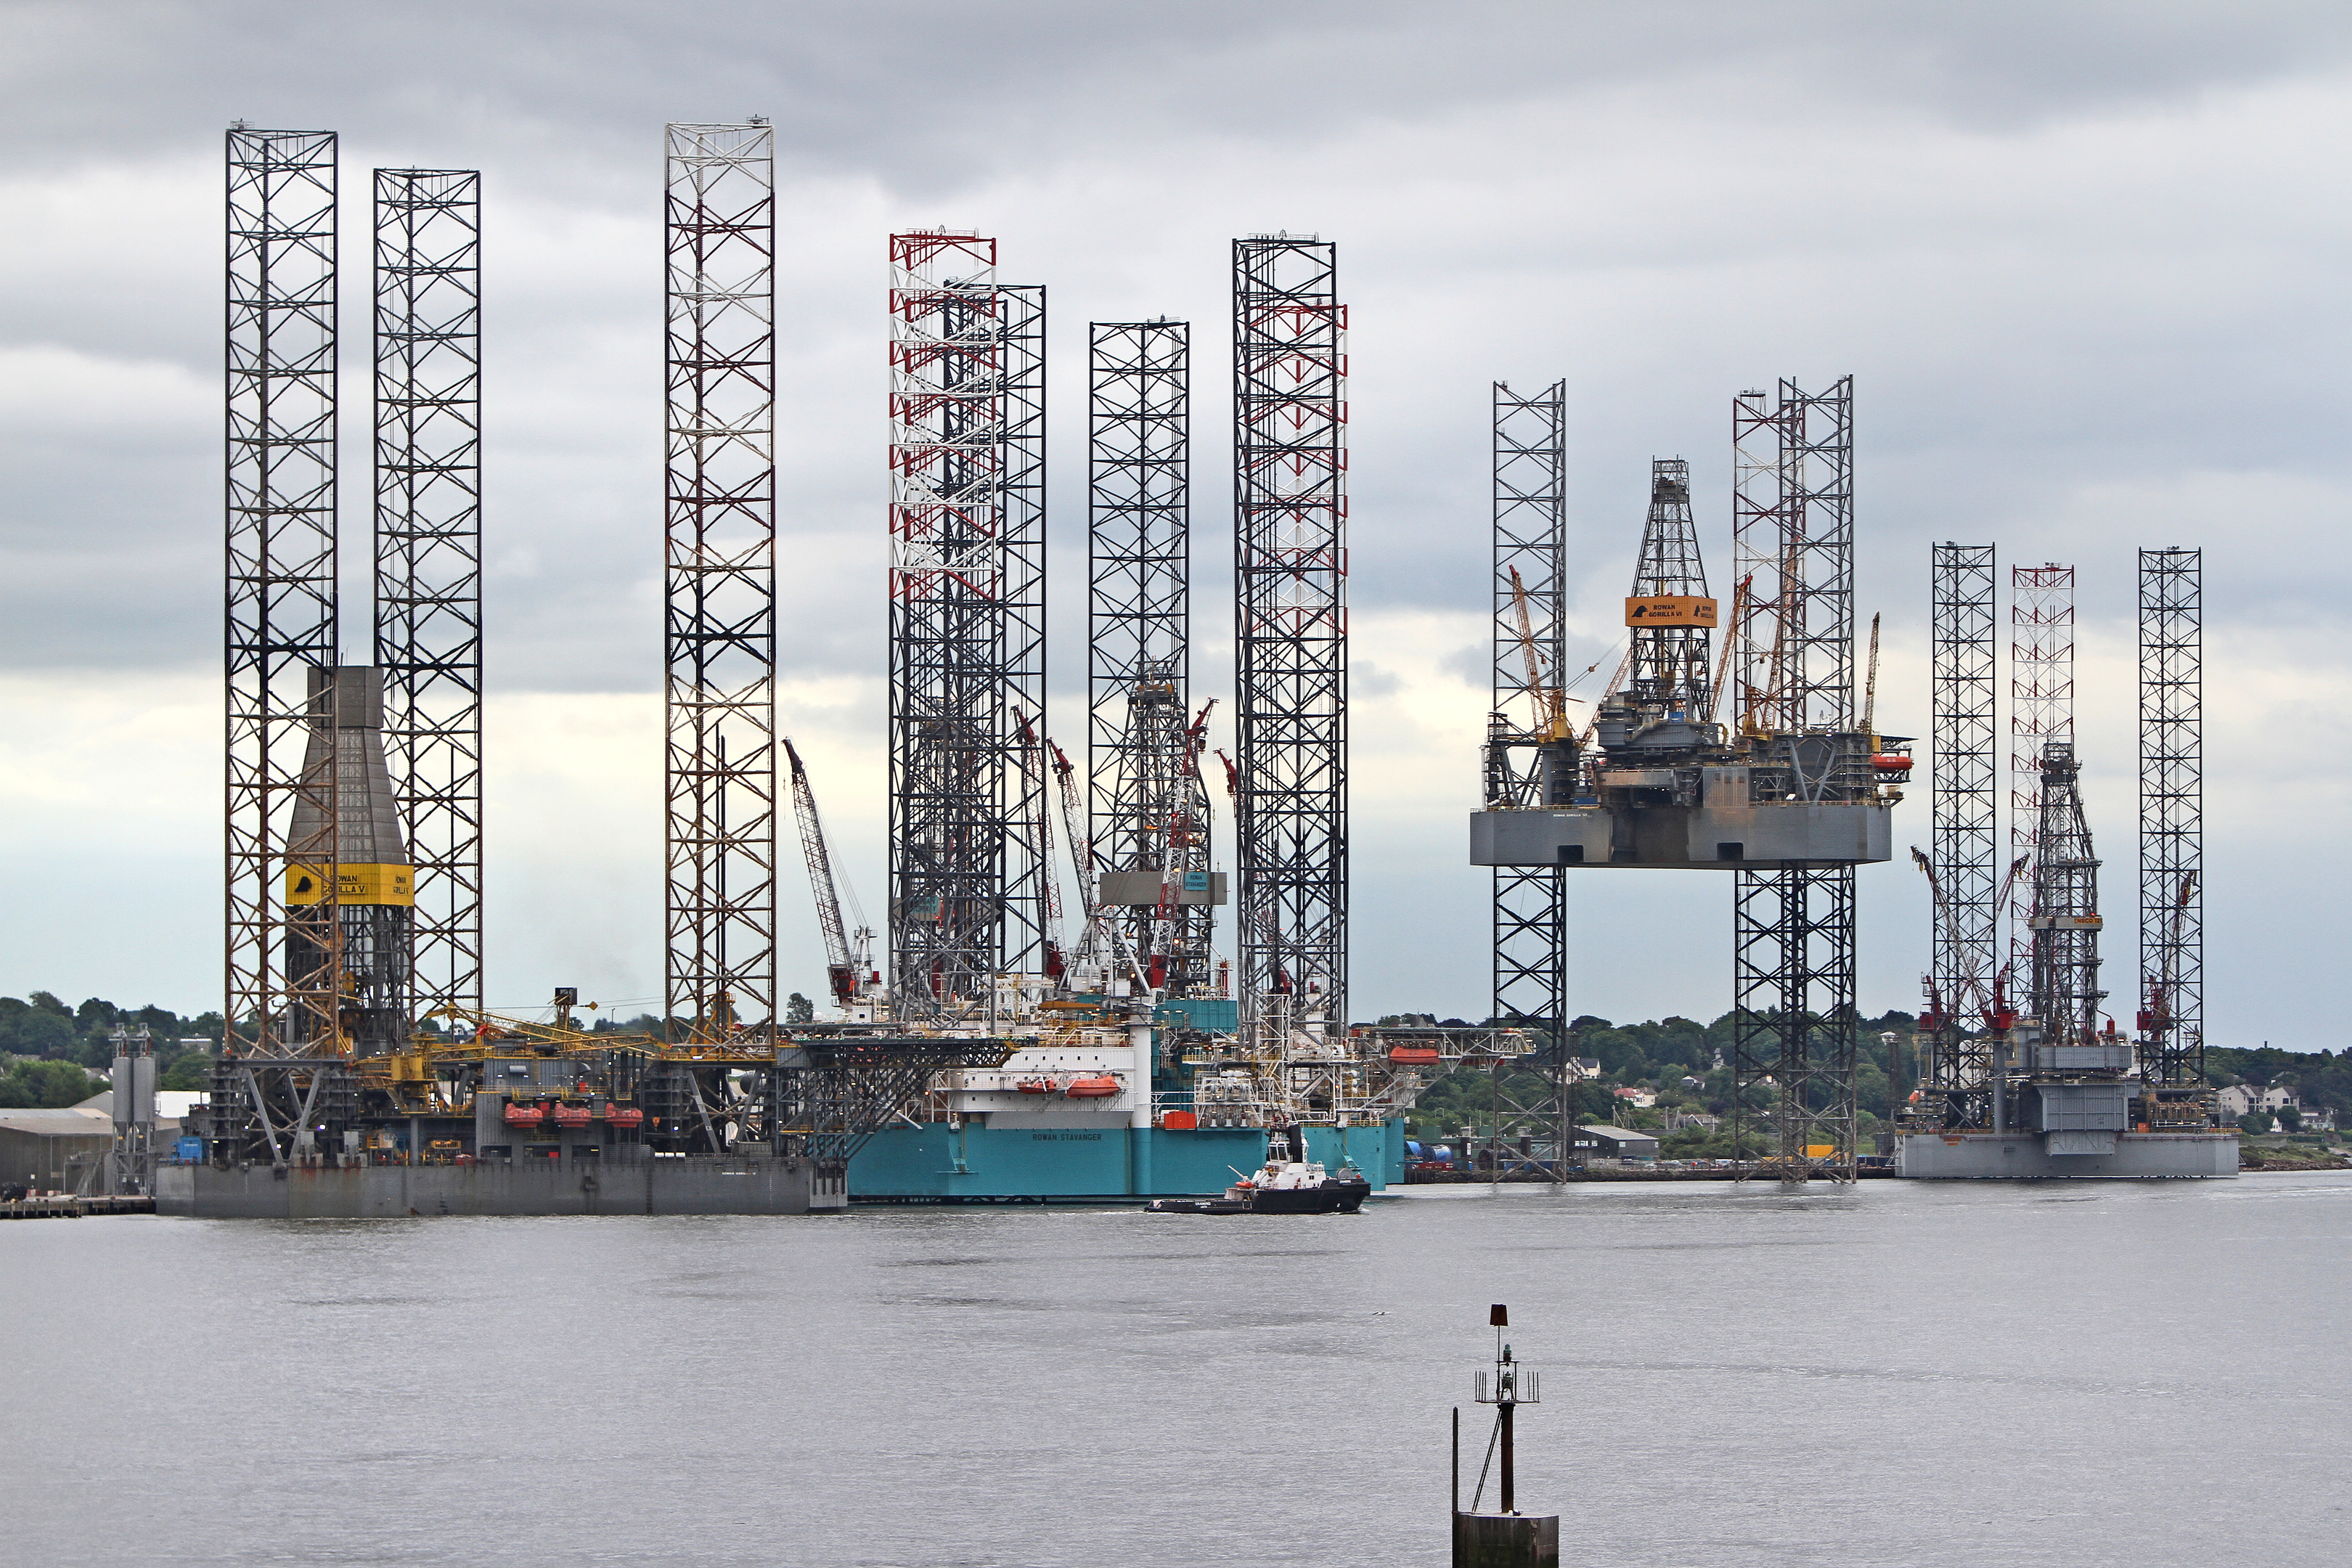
<point x="1288" y="1183"/>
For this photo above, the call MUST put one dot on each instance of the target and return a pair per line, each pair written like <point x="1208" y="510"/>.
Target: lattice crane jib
<point x="281" y="588"/>
<point x="719" y="640"/>
<point x="1792" y="925"/>
<point x="1290" y="617"/>
<point x="1148" y="813"/>
<point x="428" y="611"/>
<point x="2171" y="1020"/>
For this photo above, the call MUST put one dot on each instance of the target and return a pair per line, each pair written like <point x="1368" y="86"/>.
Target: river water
<point x="1965" y="1373"/>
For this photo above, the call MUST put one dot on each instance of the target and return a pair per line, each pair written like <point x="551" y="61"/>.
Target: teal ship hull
<point x="976" y="1163"/>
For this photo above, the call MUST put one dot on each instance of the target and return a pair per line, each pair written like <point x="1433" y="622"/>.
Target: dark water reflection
<point x="1967" y="1375"/>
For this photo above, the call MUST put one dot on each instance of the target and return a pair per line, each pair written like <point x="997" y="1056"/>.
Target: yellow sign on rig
<point x="360" y="885"/>
<point x="1670" y="610"/>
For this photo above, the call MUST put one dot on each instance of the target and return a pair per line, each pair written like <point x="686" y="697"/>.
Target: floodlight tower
<point x="719" y="642"/>
<point x="429" y="560"/>
<point x="1290" y="511"/>
<point x="1147" y="814"/>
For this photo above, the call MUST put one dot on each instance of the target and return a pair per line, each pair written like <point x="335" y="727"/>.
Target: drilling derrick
<point x="967" y="627"/>
<point x="284" y="982"/>
<point x="720" y="641"/>
<point x="374" y="881"/>
<point x="1955" y="1075"/>
<point x="2171" y="839"/>
<point x="1290" y="512"/>
<point x="1149" y="822"/>
<point x="428" y="577"/>
<point x="2063" y="928"/>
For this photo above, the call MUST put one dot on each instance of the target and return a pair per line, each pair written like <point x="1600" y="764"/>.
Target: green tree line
<point x="58" y="1047"/>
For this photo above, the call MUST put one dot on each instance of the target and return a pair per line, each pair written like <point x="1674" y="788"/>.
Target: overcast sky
<point x="2084" y="261"/>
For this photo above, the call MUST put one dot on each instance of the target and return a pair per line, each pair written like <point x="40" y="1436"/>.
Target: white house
<point x="2244" y="1099"/>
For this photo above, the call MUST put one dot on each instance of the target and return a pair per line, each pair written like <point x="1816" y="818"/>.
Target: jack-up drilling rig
<point x="1791" y="796"/>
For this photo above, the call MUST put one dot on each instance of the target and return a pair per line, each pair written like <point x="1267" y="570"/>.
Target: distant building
<point x="1620" y="1142"/>
<point x="2244" y="1098"/>
<point x="1642" y="1098"/>
<point x="54" y="1150"/>
<point x="1680" y="1119"/>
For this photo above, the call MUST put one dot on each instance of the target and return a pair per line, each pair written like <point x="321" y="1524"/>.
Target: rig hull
<point x="2026" y="1156"/>
<point x="651" y="1186"/>
<point x="972" y="1164"/>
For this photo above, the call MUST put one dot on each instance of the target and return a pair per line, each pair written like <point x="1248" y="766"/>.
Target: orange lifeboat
<point x="523" y="1115"/>
<point x="1414" y="1056"/>
<point x="572" y="1115"/>
<point x="1036" y="1086"/>
<point x="1890" y="762"/>
<point x="625" y="1116"/>
<point x="1102" y="1086"/>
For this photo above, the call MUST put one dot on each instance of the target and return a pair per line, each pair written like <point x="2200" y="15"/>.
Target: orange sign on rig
<point x="1670" y="610"/>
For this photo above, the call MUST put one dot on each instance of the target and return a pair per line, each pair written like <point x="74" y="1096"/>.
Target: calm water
<point x="1901" y="1375"/>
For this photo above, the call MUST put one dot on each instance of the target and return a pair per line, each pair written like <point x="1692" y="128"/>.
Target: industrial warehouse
<point x="1048" y="1019"/>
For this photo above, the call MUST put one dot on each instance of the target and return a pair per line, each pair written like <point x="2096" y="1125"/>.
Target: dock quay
<point x="66" y="1206"/>
<point x="1616" y="1174"/>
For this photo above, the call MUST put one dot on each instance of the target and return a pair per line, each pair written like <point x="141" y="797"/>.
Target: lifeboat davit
<point x="1100" y="1087"/>
<point x="1414" y="1056"/>
<point x="522" y="1115"/>
<point x="625" y="1116"/>
<point x="572" y="1115"/>
<point x="1036" y="1086"/>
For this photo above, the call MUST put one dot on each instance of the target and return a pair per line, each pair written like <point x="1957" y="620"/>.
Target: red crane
<point x="840" y="969"/>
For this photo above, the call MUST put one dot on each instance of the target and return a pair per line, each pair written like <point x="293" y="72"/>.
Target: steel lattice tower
<point x="2041" y="709"/>
<point x="428" y="560"/>
<point x="1530" y="553"/>
<point x="281" y="598"/>
<point x="720" y="643"/>
<point x="1670" y="663"/>
<point x="1793" y="927"/>
<point x="1965" y="837"/>
<point x="1021" y="656"/>
<point x="1290" y="512"/>
<point x="1147" y="812"/>
<point x="966" y="514"/>
<point x="2172" y="828"/>
<point x="1531" y="910"/>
